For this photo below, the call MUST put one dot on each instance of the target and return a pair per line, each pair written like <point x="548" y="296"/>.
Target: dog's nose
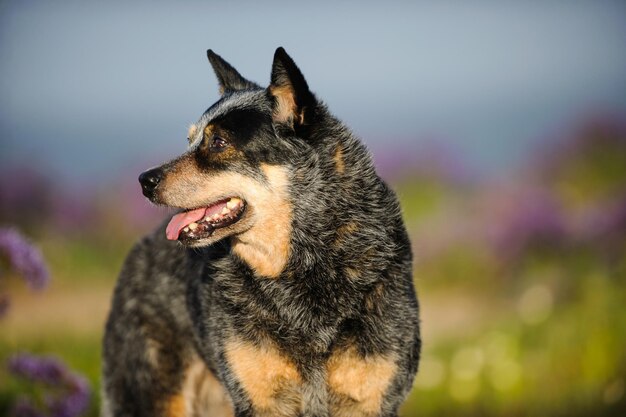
<point x="149" y="181"/>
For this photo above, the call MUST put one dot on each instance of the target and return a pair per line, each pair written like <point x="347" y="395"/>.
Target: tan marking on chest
<point x="270" y="380"/>
<point x="205" y="395"/>
<point x="201" y="394"/>
<point x="358" y="384"/>
<point x="176" y="406"/>
<point x="265" y="247"/>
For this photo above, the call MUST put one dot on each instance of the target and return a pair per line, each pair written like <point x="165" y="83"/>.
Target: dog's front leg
<point x="142" y="375"/>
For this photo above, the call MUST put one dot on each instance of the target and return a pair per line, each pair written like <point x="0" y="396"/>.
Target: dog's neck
<point x="265" y="254"/>
<point x="308" y="215"/>
<point x="266" y="246"/>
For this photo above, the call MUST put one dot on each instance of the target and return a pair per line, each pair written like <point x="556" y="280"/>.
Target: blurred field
<point x="521" y="277"/>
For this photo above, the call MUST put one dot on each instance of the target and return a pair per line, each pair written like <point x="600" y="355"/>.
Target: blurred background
<point x="501" y="125"/>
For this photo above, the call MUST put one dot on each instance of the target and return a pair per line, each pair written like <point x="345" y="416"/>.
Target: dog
<point x="282" y="287"/>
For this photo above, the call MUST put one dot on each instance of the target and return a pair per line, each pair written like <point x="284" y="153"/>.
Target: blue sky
<point x="88" y="89"/>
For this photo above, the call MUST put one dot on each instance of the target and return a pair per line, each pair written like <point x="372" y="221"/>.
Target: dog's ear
<point x="228" y="77"/>
<point x="293" y="101"/>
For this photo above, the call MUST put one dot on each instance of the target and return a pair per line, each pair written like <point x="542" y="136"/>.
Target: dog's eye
<point x="218" y="144"/>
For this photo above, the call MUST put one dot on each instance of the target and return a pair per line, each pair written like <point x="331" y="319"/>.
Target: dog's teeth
<point x="232" y="203"/>
<point x="215" y="216"/>
<point x="206" y="219"/>
<point x="225" y="210"/>
<point x="186" y="229"/>
<point x="193" y="226"/>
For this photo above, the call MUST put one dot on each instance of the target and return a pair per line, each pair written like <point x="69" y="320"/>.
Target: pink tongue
<point x="181" y="220"/>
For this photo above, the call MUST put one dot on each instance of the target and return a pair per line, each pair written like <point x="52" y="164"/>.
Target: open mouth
<point x="202" y="222"/>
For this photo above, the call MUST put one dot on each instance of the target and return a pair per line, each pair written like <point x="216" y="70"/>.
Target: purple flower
<point x="75" y="402"/>
<point x="24" y="258"/>
<point x="73" y="391"/>
<point x="47" y="370"/>
<point x="23" y="408"/>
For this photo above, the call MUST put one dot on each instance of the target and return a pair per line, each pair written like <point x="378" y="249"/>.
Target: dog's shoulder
<point x="153" y="278"/>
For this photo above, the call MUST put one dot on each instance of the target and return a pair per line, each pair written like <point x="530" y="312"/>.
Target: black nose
<point x="149" y="181"/>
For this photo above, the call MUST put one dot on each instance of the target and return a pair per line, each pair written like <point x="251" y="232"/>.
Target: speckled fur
<point x="345" y="293"/>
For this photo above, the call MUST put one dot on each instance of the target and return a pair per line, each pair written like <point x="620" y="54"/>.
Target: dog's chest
<point x="283" y="310"/>
<point x="345" y="383"/>
<point x="278" y="347"/>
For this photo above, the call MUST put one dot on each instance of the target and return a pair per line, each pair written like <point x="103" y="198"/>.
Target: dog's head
<point x="234" y="177"/>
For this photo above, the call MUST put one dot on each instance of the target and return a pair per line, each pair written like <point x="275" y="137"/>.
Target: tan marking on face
<point x="185" y="185"/>
<point x="180" y="180"/>
<point x="266" y="246"/>
<point x="209" y="130"/>
<point x="358" y="383"/>
<point x="286" y="109"/>
<point x="270" y="380"/>
<point x="262" y="238"/>
<point x="338" y="158"/>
